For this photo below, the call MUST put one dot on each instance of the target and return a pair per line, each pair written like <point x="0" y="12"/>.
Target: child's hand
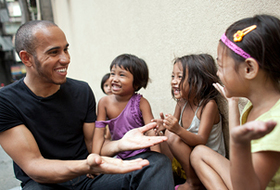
<point x="221" y="89"/>
<point x="251" y="130"/>
<point x="91" y="176"/>
<point x="171" y="123"/>
<point x="160" y="128"/>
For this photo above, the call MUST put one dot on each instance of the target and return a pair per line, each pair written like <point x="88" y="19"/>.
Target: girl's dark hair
<point x="103" y="80"/>
<point x="202" y="71"/>
<point x="136" y="66"/>
<point x="263" y="43"/>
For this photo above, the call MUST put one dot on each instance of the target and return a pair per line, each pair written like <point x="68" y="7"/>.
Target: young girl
<point x="105" y="84"/>
<point x="249" y="66"/>
<point x="125" y="109"/>
<point x="106" y="88"/>
<point x="196" y="119"/>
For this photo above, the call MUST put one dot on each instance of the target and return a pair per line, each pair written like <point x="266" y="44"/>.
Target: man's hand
<point x="106" y="165"/>
<point x="135" y="138"/>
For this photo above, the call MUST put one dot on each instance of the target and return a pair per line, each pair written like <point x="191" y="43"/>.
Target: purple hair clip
<point x="234" y="47"/>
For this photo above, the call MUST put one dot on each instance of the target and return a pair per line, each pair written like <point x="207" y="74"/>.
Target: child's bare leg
<point x="212" y="168"/>
<point x="166" y="151"/>
<point x="181" y="151"/>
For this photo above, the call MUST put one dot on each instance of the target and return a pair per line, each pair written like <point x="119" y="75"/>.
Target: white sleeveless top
<point x="216" y="138"/>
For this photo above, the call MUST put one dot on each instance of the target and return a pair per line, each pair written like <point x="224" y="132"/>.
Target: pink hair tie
<point x="234" y="47"/>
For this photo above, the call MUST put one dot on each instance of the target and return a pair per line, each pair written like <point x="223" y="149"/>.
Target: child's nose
<point x="174" y="81"/>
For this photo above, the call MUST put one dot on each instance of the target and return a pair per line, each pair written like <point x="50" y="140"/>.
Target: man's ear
<point x="26" y="58"/>
<point x="251" y="68"/>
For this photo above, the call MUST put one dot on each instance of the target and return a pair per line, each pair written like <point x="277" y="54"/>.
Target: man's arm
<point x="132" y="140"/>
<point x="20" y="145"/>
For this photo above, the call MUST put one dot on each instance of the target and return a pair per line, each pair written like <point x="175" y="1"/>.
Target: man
<point x="47" y="124"/>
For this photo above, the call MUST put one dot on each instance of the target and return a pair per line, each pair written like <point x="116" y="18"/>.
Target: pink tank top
<point x="129" y="118"/>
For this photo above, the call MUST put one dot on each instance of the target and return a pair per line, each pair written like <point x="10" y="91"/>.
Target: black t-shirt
<point x="56" y="122"/>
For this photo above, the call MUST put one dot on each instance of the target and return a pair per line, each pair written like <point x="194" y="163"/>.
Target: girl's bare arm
<point x="98" y="135"/>
<point x="233" y="110"/>
<point x="207" y="120"/>
<point x="258" y="167"/>
<point x="147" y="117"/>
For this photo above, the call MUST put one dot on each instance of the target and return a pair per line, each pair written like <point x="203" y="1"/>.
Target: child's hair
<point x="262" y="43"/>
<point x="201" y="76"/>
<point x="136" y="66"/>
<point x="104" y="79"/>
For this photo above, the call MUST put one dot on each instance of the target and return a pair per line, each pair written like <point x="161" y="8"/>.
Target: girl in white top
<point x="196" y="119"/>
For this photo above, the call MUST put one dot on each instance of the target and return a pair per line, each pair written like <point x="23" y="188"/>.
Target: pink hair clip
<point x="234" y="47"/>
<point x="238" y="36"/>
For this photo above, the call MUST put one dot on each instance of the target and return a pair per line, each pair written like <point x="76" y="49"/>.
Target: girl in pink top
<point x="124" y="109"/>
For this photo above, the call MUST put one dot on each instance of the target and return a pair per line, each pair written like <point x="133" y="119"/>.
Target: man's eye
<point x="53" y="52"/>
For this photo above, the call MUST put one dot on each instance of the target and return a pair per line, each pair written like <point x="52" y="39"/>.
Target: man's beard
<point x="44" y="75"/>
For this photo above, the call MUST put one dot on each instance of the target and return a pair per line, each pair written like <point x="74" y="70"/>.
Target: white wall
<point x="155" y="30"/>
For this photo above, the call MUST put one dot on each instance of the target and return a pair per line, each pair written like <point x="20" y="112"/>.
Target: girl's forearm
<point x="98" y="140"/>
<point x="190" y="138"/>
<point x="233" y="113"/>
<point x="110" y="148"/>
<point x="241" y="167"/>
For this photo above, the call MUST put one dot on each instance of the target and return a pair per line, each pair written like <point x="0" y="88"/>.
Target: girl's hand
<point x="159" y="128"/>
<point x="251" y="130"/>
<point x="221" y="89"/>
<point x="171" y="123"/>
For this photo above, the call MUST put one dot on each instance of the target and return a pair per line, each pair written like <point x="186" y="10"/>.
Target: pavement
<point x="7" y="177"/>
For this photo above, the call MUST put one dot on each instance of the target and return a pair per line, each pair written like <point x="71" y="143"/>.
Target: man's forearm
<point x="57" y="171"/>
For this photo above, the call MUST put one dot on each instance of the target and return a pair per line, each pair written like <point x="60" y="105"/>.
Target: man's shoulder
<point x="12" y="88"/>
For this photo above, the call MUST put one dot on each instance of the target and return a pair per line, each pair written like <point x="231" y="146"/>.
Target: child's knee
<point x="197" y="153"/>
<point x="172" y="138"/>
